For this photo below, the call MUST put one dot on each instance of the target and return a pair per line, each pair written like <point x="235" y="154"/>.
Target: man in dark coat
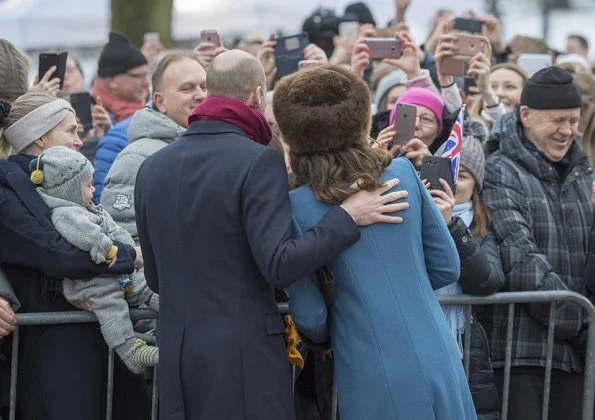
<point x="538" y="186"/>
<point x="214" y="223"/>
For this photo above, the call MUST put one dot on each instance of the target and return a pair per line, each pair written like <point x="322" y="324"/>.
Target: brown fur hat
<point x="321" y="109"/>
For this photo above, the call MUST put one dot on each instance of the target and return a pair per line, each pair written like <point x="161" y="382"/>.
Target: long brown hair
<point x="482" y="218"/>
<point x="334" y="176"/>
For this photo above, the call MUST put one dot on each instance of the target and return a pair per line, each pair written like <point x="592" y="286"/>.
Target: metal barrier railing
<point x="513" y="298"/>
<point x="75" y="317"/>
<point x="508" y="298"/>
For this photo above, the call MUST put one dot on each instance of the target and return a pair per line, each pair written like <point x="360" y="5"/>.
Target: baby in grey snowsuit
<point x="66" y="180"/>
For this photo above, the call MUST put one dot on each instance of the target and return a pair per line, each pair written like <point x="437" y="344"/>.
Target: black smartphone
<point x="470" y="86"/>
<point x="473" y="26"/>
<point x="433" y="168"/>
<point x="47" y="60"/>
<point x="82" y="102"/>
<point x="289" y="51"/>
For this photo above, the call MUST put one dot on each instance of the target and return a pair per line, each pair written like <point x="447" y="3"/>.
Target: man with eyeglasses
<point x="122" y="86"/>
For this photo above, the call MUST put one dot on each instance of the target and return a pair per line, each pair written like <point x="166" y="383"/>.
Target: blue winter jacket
<point x="114" y="141"/>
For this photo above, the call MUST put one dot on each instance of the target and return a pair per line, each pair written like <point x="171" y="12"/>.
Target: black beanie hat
<point x="551" y="88"/>
<point x="360" y="12"/>
<point x="119" y="56"/>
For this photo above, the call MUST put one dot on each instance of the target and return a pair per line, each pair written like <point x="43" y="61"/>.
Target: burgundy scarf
<point x="234" y="112"/>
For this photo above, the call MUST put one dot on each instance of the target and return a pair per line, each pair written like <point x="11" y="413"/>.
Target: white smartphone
<point x="151" y="37"/>
<point x="532" y="63"/>
<point x="308" y="63"/>
<point x="349" y="30"/>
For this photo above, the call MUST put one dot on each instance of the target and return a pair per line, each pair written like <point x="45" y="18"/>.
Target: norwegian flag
<point x="452" y="148"/>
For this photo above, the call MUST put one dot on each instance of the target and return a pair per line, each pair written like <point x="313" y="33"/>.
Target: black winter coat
<point x="62" y="368"/>
<point x="481" y="274"/>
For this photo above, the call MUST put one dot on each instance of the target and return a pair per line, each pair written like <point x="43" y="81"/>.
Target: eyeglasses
<point x="138" y="76"/>
<point x="427" y="121"/>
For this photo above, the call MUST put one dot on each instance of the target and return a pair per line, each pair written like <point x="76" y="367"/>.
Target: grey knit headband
<point x="36" y="123"/>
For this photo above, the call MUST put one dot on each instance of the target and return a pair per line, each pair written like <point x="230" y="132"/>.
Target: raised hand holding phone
<point x="46" y="85"/>
<point x="152" y="45"/>
<point x="386" y="139"/>
<point x="444" y="199"/>
<point x="416" y="150"/>
<point x="409" y="59"/>
<point x="360" y="59"/>
<point x="266" y="56"/>
<point x="209" y="47"/>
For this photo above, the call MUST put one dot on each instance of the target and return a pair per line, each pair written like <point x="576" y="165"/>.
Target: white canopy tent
<point x="39" y="24"/>
<point x="42" y="24"/>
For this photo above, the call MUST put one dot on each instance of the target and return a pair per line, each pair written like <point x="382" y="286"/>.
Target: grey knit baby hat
<point x="62" y="172"/>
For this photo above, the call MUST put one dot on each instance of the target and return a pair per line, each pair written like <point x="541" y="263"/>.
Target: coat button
<point x="464" y="239"/>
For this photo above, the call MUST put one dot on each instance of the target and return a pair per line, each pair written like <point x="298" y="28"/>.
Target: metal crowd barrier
<point x="74" y="317"/>
<point x="514" y="298"/>
<point x="509" y="298"/>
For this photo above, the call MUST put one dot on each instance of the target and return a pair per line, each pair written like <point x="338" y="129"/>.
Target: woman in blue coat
<point x="394" y="355"/>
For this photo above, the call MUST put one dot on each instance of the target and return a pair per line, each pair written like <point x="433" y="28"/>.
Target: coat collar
<point x="213" y="127"/>
<point x="14" y="173"/>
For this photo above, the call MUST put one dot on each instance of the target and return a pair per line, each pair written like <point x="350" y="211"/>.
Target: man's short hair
<point x="581" y="40"/>
<point x="236" y="81"/>
<point x="162" y="63"/>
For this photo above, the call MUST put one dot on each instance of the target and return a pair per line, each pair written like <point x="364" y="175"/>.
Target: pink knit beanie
<point x="423" y="97"/>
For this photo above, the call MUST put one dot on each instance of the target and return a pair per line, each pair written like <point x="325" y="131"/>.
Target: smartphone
<point x="82" y="102"/>
<point x="381" y="48"/>
<point x="532" y="63"/>
<point x="47" y="60"/>
<point x="433" y="168"/>
<point x="455" y="66"/>
<point x="153" y="37"/>
<point x="473" y="26"/>
<point x="470" y="86"/>
<point x="303" y="64"/>
<point x="349" y="31"/>
<point x="405" y="119"/>
<point x="469" y="45"/>
<point x="289" y="51"/>
<point x="210" y="35"/>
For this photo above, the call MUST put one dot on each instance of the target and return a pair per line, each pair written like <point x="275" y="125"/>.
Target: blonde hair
<point x="21" y="107"/>
<point x="476" y="109"/>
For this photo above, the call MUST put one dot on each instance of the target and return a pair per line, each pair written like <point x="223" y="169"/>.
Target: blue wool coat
<point x="395" y="357"/>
